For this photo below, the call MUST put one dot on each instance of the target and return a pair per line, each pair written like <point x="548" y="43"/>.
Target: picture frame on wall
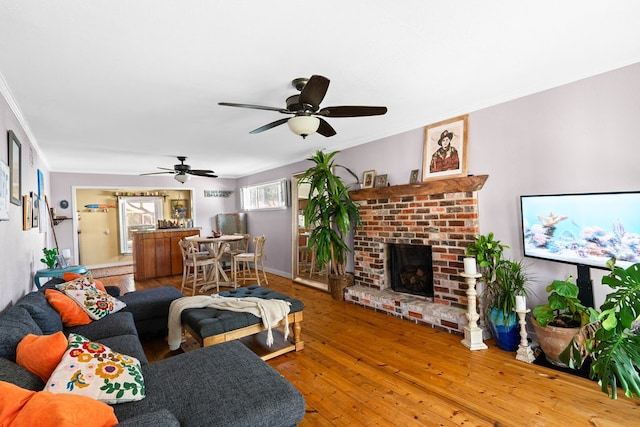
<point x="381" y="180"/>
<point x="413" y="177"/>
<point x="35" y="214"/>
<point x="368" y="178"/>
<point x="26" y="212"/>
<point x="179" y="209"/>
<point x="4" y="191"/>
<point x="445" y="149"/>
<point x="15" y="177"/>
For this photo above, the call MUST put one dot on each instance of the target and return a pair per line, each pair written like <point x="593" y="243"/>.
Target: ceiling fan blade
<point x="352" y="111"/>
<point x="157" y="173"/>
<point x="200" y="171"/>
<point x="205" y="173"/>
<point x="325" y="128"/>
<point x="269" y="126"/>
<point x="314" y="91"/>
<point x="256" y="107"/>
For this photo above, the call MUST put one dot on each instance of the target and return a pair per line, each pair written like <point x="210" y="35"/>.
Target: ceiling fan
<point x="183" y="172"/>
<point x="305" y="107"/>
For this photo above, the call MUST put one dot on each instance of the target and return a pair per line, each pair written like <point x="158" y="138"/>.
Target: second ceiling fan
<point x="305" y="107"/>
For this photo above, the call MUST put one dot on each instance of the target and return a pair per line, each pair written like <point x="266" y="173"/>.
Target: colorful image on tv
<point x="586" y="229"/>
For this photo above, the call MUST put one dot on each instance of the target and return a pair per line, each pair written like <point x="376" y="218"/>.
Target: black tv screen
<point x="582" y="229"/>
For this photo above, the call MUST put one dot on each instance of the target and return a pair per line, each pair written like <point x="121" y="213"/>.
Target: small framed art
<point x="413" y="177"/>
<point x="381" y="180"/>
<point x="27" y="212"/>
<point x="445" y="149"/>
<point x="368" y="178"/>
<point x="15" y="158"/>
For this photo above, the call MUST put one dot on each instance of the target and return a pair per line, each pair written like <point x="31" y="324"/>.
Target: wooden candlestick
<point x="472" y="333"/>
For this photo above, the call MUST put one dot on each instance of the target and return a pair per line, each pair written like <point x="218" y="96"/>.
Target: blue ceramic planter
<point x="505" y="329"/>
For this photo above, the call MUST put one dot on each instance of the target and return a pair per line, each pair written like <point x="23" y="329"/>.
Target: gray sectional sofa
<point x="221" y="385"/>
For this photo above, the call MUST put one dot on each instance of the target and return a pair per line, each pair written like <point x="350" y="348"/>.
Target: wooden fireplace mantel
<point x="439" y="186"/>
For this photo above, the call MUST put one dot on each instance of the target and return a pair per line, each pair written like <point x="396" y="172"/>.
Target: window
<point x="267" y="195"/>
<point x="137" y="213"/>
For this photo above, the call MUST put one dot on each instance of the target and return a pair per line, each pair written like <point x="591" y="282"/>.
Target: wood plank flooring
<point x="361" y="367"/>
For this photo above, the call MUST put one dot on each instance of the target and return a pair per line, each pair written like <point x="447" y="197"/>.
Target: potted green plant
<point x="488" y="254"/>
<point x="331" y="213"/>
<point x="560" y="319"/>
<point x="612" y="339"/>
<point x="50" y="257"/>
<point x="499" y="296"/>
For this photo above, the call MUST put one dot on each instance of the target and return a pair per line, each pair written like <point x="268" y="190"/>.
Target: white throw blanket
<point x="271" y="311"/>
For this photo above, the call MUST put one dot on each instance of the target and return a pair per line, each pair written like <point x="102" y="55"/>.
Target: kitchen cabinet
<point x="156" y="252"/>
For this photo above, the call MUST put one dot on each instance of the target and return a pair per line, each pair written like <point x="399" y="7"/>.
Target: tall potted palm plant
<point x="330" y="212"/>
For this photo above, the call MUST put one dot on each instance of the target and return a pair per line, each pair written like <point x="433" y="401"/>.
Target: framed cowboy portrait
<point x="445" y="149"/>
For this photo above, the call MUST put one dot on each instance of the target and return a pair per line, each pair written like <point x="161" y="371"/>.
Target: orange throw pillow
<point x="67" y="276"/>
<point x="22" y="407"/>
<point x="41" y="354"/>
<point x="70" y="311"/>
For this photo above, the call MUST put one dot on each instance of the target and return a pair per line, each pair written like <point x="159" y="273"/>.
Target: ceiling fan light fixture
<point x="182" y="177"/>
<point x="303" y="125"/>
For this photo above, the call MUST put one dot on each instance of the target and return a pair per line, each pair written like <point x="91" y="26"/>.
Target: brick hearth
<point x="446" y="221"/>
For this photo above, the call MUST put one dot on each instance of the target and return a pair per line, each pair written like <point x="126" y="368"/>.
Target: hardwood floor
<point x="360" y="367"/>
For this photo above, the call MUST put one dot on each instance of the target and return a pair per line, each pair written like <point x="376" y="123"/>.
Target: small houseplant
<point x="488" y="255"/>
<point x="50" y="257"/>
<point x="500" y="298"/>
<point x="330" y="212"/>
<point x="612" y="339"/>
<point x="560" y="319"/>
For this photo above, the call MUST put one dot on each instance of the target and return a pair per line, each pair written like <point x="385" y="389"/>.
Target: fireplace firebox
<point x="410" y="269"/>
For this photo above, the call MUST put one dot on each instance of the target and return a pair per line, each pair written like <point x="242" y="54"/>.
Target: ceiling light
<point x="303" y="125"/>
<point x="182" y="177"/>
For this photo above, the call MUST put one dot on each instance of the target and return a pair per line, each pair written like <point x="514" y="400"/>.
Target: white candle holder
<point x="524" y="353"/>
<point x="472" y="333"/>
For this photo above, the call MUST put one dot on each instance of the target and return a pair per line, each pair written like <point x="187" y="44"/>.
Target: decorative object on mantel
<point x="368" y="178"/>
<point x="217" y="193"/>
<point x="381" y="180"/>
<point x="445" y="149"/>
<point x="413" y="177"/>
<point x="472" y="333"/>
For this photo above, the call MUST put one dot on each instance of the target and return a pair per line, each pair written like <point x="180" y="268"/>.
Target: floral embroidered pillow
<point x="93" y="301"/>
<point x="94" y="370"/>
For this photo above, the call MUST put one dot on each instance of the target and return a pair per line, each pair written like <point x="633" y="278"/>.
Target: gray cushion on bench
<point x="222" y="380"/>
<point x="210" y="321"/>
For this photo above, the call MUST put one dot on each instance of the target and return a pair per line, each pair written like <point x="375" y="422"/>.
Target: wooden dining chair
<point x="196" y="266"/>
<point x="241" y="268"/>
<point x="235" y="247"/>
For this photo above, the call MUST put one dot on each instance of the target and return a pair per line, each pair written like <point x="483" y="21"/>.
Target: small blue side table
<point x="57" y="272"/>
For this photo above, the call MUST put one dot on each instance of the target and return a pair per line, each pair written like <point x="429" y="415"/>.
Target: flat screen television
<point x="582" y="229"/>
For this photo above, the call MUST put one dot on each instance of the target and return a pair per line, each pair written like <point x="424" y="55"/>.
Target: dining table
<point x="217" y="246"/>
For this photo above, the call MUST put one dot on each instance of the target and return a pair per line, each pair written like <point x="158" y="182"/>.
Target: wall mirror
<point x="303" y="267"/>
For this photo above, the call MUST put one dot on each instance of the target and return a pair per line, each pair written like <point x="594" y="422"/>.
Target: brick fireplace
<point x="442" y="214"/>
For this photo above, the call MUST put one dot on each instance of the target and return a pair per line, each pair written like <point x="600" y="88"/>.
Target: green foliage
<point x="511" y="280"/>
<point x="50" y="257"/>
<point x="563" y="309"/>
<point x="611" y="341"/>
<point x="330" y="212"/>
<point x="488" y="254"/>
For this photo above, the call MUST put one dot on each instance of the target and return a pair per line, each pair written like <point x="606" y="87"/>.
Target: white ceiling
<point x="124" y="86"/>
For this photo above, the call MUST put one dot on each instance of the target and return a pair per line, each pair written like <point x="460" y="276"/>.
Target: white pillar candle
<point x="470" y="266"/>
<point x="521" y="303"/>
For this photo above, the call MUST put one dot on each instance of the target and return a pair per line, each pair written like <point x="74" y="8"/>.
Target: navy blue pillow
<point x="15" y="324"/>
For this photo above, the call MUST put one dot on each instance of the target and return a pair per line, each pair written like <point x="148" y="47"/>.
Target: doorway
<point x="303" y="266"/>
